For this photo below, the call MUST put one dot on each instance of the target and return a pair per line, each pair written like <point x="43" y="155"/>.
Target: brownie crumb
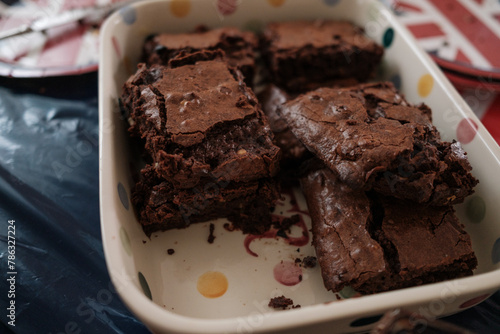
<point x="170" y="251"/>
<point x="144" y="241"/>
<point x="229" y="227"/>
<point x="280" y="302"/>
<point x="298" y="260"/>
<point x="282" y="233"/>
<point x="211" y="236"/>
<point x="309" y="262"/>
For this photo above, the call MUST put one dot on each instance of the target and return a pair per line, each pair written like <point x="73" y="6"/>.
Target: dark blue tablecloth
<point x="49" y="187"/>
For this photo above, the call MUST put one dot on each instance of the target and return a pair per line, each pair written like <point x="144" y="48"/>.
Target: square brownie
<point x="376" y="244"/>
<point x="422" y="244"/>
<point x="298" y="53"/>
<point x="372" y="138"/>
<point x="200" y="122"/>
<point x="239" y="47"/>
<point x="346" y="252"/>
<point x="159" y="206"/>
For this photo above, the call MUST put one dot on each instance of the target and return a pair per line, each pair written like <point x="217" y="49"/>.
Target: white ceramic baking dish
<point x="161" y="288"/>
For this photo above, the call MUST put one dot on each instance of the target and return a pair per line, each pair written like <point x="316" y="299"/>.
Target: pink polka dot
<point x="287" y="273"/>
<point x="227" y="7"/>
<point x="466" y="130"/>
<point x="474" y="301"/>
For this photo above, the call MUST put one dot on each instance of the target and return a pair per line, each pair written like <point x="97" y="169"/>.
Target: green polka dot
<point x="475" y="209"/>
<point x="347" y="292"/>
<point x="125" y="241"/>
<point x="145" y="286"/>
<point x="388" y="37"/>
<point x="373" y="11"/>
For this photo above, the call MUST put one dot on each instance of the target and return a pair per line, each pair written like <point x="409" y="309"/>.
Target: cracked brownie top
<point x="199" y="120"/>
<point x="371" y="137"/>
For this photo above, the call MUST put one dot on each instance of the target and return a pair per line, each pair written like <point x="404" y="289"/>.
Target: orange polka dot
<point x="212" y="284"/>
<point x="425" y="85"/>
<point x="180" y="8"/>
<point x="276" y="3"/>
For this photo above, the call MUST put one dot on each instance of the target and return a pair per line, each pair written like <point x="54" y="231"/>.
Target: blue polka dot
<point x="396" y="80"/>
<point x="331" y="2"/>
<point x="122" y="193"/>
<point x="144" y="285"/>
<point x="495" y="252"/>
<point x="365" y="321"/>
<point x="388" y="37"/>
<point x="128" y="14"/>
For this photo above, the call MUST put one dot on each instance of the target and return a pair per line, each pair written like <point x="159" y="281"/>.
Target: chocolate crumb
<point x="228" y="227"/>
<point x="211" y="236"/>
<point x="296" y="306"/>
<point x="170" y="251"/>
<point x="309" y="262"/>
<point x="281" y="233"/>
<point x="144" y="241"/>
<point x="298" y="260"/>
<point x="280" y="302"/>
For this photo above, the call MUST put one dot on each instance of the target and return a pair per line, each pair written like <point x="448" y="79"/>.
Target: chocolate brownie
<point x="199" y="122"/>
<point x="371" y="137"/>
<point x="376" y="244"/>
<point x="300" y="52"/>
<point x="422" y="244"/>
<point x="238" y="45"/>
<point x="159" y="206"/>
<point x="293" y="151"/>
<point x="345" y="251"/>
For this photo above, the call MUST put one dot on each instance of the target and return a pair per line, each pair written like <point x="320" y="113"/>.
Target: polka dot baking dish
<point x="177" y="282"/>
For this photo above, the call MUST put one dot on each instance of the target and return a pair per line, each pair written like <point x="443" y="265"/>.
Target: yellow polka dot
<point x="276" y="3"/>
<point x="425" y="85"/>
<point x="180" y="8"/>
<point x="212" y="284"/>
